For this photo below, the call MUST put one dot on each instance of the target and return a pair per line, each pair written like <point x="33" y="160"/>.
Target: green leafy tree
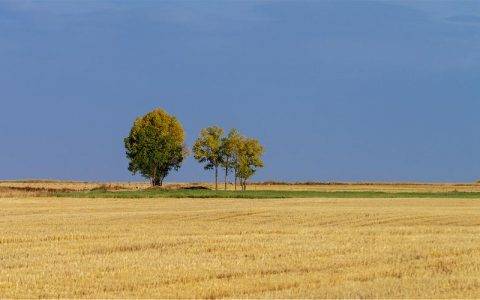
<point x="229" y="151"/>
<point x="155" y="146"/>
<point x="208" y="149"/>
<point x="249" y="160"/>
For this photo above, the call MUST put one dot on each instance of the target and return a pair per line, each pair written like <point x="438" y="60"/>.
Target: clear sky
<point x="335" y="90"/>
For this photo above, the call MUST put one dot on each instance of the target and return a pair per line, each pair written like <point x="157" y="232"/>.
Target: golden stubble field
<point x="183" y="248"/>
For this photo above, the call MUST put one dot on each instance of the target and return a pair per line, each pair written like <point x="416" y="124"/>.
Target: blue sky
<point x="335" y="90"/>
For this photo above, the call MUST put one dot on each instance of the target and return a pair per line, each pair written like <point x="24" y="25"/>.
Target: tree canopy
<point x="229" y="152"/>
<point x="208" y="149"/>
<point x="232" y="152"/>
<point x="249" y="159"/>
<point x="155" y="146"/>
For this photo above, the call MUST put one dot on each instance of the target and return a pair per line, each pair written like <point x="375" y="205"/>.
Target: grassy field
<point x="214" y="248"/>
<point x="203" y="193"/>
<point x="325" y="186"/>
<point x="256" y="190"/>
<point x="260" y="194"/>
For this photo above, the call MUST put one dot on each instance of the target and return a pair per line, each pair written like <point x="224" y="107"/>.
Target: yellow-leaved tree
<point x="232" y="152"/>
<point x="208" y="149"/>
<point x="231" y="145"/>
<point x="155" y="145"/>
<point x="249" y="159"/>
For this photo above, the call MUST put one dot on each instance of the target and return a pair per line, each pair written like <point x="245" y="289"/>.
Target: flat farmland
<point x="239" y="248"/>
<point x="42" y="188"/>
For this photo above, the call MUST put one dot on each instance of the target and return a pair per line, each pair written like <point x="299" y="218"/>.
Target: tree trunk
<point x="226" y="174"/>
<point x="157" y="181"/>
<point x="157" y="177"/>
<point x="154" y="176"/>
<point x="216" y="178"/>
<point x="235" y="171"/>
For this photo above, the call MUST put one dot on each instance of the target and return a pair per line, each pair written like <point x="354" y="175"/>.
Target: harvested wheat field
<point x="215" y="248"/>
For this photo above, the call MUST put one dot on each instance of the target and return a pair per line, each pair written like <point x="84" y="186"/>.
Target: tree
<point x="208" y="149"/>
<point x="229" y="150"/>
<point x="155" y="146"/>
<point x="249" y="160"/>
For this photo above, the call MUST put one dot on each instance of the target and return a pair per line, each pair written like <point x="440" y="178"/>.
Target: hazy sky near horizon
<point x="335" y="90"/>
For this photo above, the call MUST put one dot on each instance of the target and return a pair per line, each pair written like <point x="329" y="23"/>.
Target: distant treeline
<point x="156" y="145"/>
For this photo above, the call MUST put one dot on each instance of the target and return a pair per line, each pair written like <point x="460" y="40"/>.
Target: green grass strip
<point x="262" y="194"/>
